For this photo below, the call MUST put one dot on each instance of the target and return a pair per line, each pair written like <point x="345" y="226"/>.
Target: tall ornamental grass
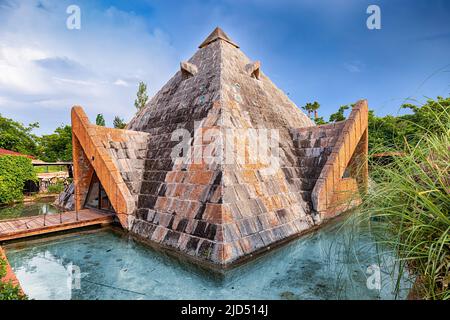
<point x="409" y="200"/>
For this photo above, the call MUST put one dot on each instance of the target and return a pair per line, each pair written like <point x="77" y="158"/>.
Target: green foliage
<point x="119" y="123"/>
<point x="45" y="169"/>
<point x="311" y="107"/>
<point x="56" y="188"/>
<point x="319" y="121"/>
<point x="100" y="120"/>
<point x="409" y="199"/>
<point x="53" y="147"/>
<point x="17" y="137"/>
<point x="14" y="171"/>
<point x="339" y="115"/>
<point x="57" y="146"/>
<point x="390" y="133"/>
<point x="314" y="106"/>
<point x="142" y="96"/>
<point x="8" y="291"/>
<point x="2" y="268"/>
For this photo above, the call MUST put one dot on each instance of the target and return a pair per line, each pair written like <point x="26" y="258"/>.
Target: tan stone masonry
<point x="332" y="193"/>
<point x="225" y="211"/>
<point x="92" y="153"/>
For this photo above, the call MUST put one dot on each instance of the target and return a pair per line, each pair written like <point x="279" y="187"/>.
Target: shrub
<point x="14" y="171"/>
<point x="389" y="133"/>
<point x="56" y="188"/>
<point x="8" y="291"/>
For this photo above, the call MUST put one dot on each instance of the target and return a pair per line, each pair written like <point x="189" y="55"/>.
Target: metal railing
<point x="44" y="216"/>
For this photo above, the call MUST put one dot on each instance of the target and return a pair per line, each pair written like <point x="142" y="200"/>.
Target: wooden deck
<point x="37" y="225"/>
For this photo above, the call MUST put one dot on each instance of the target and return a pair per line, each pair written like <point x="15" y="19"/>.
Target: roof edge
<point x="217" y="34"/>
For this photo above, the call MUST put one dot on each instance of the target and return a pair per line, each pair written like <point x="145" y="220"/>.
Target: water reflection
<point x="27" y="210"/>
<point x="113" y="266"/>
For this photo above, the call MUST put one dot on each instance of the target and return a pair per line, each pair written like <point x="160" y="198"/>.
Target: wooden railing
<point x="334" y="193"/>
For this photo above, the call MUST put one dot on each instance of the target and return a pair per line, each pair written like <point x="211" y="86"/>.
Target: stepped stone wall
<point x="344" y="177"/>
<point x="116" y="156"/>
<point x="313" y="146"/>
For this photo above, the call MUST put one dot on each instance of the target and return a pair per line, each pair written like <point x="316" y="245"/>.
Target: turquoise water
<point x="28" y="209"/>
<point x="106" y="264"/>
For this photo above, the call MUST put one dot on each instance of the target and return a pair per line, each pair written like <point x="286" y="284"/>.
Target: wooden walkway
<point x="37" y="225"/>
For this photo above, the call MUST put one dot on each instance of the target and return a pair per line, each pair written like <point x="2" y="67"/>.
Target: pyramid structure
<point x="220" y="164"/>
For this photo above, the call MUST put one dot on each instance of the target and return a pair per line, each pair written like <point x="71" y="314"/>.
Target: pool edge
<point x="10" y="275"/>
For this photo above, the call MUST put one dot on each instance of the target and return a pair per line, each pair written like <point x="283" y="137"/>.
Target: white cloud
<point x="120" y="82"/>
<point x="17" y="71"/>
<point x="44" y="67"/>
<point x="75" y="82"/>
<point x="354" y="66"/>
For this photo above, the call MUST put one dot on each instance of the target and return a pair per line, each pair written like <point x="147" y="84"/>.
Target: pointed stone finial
<point x="216" y="35"/>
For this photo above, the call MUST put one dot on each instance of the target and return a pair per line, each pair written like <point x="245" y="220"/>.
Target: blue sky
<point x="313" y="50"/>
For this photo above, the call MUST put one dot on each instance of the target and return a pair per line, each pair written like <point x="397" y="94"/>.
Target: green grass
<point x="409" y="198"/>
<point x="44" y="169"/>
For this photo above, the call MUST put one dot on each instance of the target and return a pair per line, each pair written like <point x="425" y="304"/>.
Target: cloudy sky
<point x="313" y="50"/>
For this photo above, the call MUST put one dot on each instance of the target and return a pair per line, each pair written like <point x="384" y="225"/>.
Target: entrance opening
<point x="97" y="197"/>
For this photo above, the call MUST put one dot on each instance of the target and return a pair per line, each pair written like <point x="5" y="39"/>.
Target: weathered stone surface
<point x="215" y="207"/>
<point x="334" y="192"/>
<point x="108" y="153"/>
<point x="222" y="95"/>
<point x="188" y="69"/>
<point x="65" y="200"/>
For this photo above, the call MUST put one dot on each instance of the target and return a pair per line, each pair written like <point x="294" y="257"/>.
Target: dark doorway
<point x="97" y="197"/>
<point x="30" y="187"/>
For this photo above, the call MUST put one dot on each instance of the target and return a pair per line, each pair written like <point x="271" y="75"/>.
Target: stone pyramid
<point x="205" y="182"/>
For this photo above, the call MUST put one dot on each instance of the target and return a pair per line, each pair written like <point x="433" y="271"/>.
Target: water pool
<point x="28" y="209"/>
<point x="107" y="264"/>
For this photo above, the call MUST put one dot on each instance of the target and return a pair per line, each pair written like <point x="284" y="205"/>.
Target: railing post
<point x="75" y="200"/>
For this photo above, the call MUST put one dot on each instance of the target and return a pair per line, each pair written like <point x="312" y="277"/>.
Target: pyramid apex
<point x="217" y="34"/>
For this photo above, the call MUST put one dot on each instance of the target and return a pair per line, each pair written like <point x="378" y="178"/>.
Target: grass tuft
<point x="409" y="200"/>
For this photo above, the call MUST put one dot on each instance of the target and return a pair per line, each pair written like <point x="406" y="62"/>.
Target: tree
<point x="319" y="121"/>
<point x="315" y="107"/>
<point x="100" y="120"/>
<point x="17" y="137"/>
<point x="339" y="115"/>
<point x="308" y="108"/>
<point x="391" y="133"/>
<point x="142" y="96"/>
<point x="56" y="146"/>
<point x="119" y="123"/>
<point x="312" y="107"/>
<point x="14" y="172"/>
